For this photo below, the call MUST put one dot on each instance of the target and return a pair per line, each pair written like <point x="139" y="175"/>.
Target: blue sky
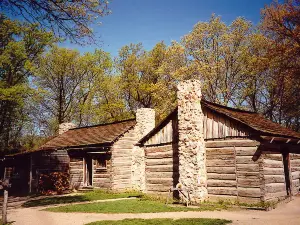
<point x="151" y="21"/>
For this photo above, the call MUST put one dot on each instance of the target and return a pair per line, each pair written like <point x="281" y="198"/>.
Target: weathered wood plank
<point x="221" y="183"/>
<point x="231" y="143"/>
<point x="222" y="191"/>
<point x="224" y="170"/>
<point x="221" y="176"/>
<point x="249" y="192"/>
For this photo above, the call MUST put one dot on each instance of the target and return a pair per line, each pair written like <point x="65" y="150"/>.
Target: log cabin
<point x="218" y="152"/>
<point x="94" y="156"/>
<point x="214" y="152"/>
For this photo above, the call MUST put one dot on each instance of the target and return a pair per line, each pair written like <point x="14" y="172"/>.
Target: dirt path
<point x="285" y="214"/>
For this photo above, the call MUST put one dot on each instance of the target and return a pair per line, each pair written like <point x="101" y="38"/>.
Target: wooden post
<point x="4" y="207"/>
<point x="30" y="174"/>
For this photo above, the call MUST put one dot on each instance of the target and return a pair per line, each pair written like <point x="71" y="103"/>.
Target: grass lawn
<point x="89" y="196"/>
<point x="131" y="206"/>
<point x="200" y="221"/>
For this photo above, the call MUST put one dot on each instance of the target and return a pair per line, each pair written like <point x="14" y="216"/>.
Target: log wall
<point x="47" y="162"/>
<point x="295" y="170"/>
<point x="102" y="177"/>
<point x="161" y="168"/>
<point x="233" y="170"/>
<point x="217" y="125"/>
<point x="76" y="172"/>
<point x="274" y="178"/>
<point x="121" y="160"/>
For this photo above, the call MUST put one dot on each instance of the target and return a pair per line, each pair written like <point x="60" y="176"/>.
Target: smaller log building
<point x="94" y="156"/>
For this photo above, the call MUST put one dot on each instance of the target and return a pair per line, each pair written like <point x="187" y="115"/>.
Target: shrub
<point x="55" y="182"/>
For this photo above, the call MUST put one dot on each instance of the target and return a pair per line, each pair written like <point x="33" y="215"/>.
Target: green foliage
<point x="21" y="44"/>
<point x="186" y="221"/>
<point x="55" y="182"/>
<point x="66" y="19"/>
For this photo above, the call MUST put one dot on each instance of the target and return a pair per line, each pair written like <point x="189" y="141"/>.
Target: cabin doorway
<point x="88" y="171"/>
<point x="286" y="166"/>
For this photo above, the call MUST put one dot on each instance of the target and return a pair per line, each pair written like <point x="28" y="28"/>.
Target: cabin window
<point x="101" y="162"/>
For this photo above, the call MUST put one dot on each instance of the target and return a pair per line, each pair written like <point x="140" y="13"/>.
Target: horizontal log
<point x="295" y="156"/>
<point x="217" y="198"/>
<point x="273" y="163"/>
<point x="162" y="168"/>
<point x="219" y="151"/>
<point x="99" y="175"/>
<point x="160" y="174"/>
<point x="224" y="170"/>
<point x="218" y="163"/>
<point x="277" y="157"/>
<point x="273" y="196"/>
<point x="220" y="176"/>
<point x="275" y="187"/>
<point x="221" y="183"/>
<point x="231" y="143"/>
<point x="222" y="191"/>
<point x="244" y="159"/>
<point x="296" y="175"/>
<point x="249" y="192"/>
<point x="157" y="188"/>
<point x="166" y="161"/>
<point x="250" y="151"/>
<point x="161" y="155"/>
<point x="273" y="171"/>
<point x="249" y="200"/>
<point x="247" y="167"/>
<point x="274" y="179"/>
<point x="166" y="148"/>
<point x="295" y="163"/>
<point x="219" y="157"/>
<point x="294" y="169"/>
<point x="248" y="175"/>
<point x="248" y="182"/>
<point x="160" y="181"/>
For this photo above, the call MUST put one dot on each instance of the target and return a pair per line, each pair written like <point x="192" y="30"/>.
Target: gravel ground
<point x="284" y="214"/>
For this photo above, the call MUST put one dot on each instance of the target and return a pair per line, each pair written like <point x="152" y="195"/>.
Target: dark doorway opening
<point x="286" y="166"/>
<point x="88" y="171"/>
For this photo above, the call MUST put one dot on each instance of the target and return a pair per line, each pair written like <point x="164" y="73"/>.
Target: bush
<point x="55" y="182"/>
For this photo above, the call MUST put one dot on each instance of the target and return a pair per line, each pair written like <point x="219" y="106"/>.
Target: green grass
<point x="89" y="196"/>
<point x="131" y="206"/>
<point x="200" y="221"/>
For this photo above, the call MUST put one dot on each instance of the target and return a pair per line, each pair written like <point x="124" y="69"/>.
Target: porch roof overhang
<point x="284" y="140"/>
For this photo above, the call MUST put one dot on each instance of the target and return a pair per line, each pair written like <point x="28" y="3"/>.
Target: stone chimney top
<point x="145" y="121"/>
<point x="64" y="127"/>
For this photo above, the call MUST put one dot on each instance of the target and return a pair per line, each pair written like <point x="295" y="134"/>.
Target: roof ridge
<point x="103" y="124"/>
<point x="227" y="107"/>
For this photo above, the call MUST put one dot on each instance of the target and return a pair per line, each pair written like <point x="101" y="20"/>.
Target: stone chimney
<point x="145" y="121"/>
<point x="192" y="154"/>
<point x="64" y="127"/>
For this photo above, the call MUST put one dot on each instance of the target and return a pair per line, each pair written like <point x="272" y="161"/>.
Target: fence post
<point x="4" y="207"/>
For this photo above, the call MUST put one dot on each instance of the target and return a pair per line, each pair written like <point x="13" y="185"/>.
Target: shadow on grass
<point x="90" y="196"/>
<point x="55" y="200"/>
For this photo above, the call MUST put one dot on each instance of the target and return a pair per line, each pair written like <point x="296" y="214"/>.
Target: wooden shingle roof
<point x="257" y="122"/>
<point x="253" y="120"/>
<point x="103" y="134"/>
